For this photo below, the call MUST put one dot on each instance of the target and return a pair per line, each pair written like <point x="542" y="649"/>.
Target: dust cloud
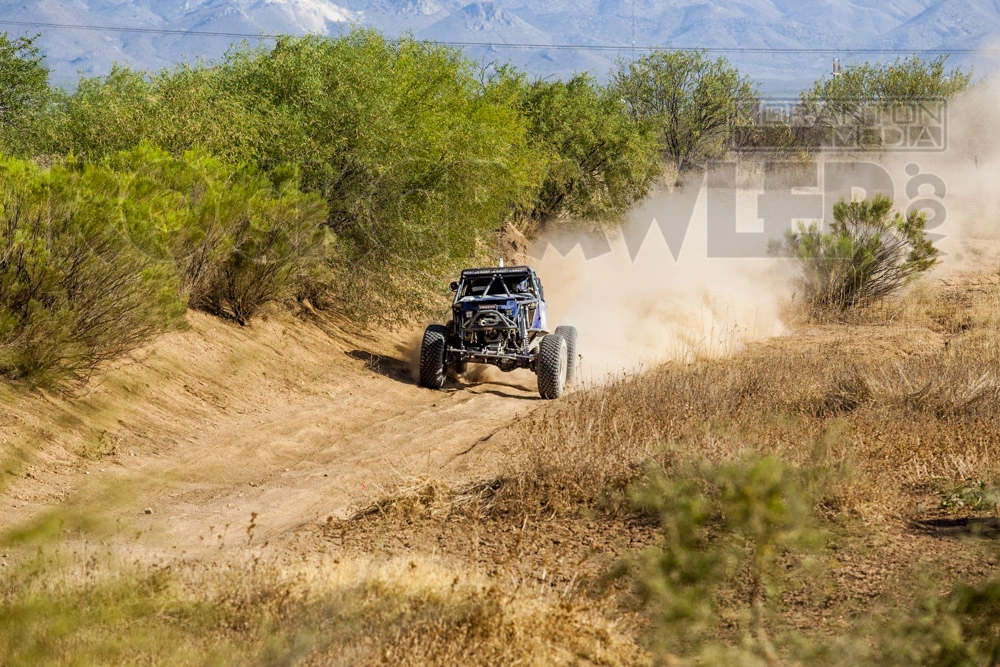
<point x="969" y="168"/>
<point x="644" y="301"/>
<point x="637" y="307"/>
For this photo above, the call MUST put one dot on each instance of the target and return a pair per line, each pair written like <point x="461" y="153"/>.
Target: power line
<point x="157" y="31"/>
<point x="716" y="49"/>
<point x="524" y="45"/>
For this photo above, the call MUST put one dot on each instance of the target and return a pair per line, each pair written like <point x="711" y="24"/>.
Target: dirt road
<point x="286" y="420"/>
<point x="292" y="420"/>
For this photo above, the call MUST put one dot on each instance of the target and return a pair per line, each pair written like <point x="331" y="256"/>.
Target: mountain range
<point x="549" y="39"/>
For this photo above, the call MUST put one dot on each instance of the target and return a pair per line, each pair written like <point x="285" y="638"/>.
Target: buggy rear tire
<point x="552" y="365"/>
<point x="432" y="354"/>
<point x="569" y="335"/>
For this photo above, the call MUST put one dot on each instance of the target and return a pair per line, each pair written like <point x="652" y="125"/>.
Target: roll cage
<point x="498" y="315"/>
<point x="512" y="281"/>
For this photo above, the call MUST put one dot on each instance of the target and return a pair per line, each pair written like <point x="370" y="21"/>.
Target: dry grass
<point x="317" y="612"/>
<point x="892" y="420"/>
<point x="886" y="420"/>
<point x="893" y="405"/>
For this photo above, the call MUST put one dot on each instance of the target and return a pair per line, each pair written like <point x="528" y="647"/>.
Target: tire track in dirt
<point x="284" y="421"/>
<point x="306" y="462"/>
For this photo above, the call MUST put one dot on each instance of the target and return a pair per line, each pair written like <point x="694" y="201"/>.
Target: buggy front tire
<point x="553" y="360"/>
<point x="432" y="356"/>
<point x="573" y="367"/>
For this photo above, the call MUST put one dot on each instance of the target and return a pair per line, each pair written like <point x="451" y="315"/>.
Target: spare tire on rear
<point x="432" y="356"/>
<point x="553" y="360"/>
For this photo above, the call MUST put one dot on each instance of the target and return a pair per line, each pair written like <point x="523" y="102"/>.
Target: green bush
<point x="721" y="525"/>
<point x="692" y="103"/>
<point x="74" y="291"/>
<point x="961" y="627"/>
<point x="600" y="162"/>
<point x="236" y="238"/>
<point x="97" y="259"/>
<point x="867" y="254"/>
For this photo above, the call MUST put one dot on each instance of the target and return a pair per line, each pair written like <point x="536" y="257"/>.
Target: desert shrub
<point x="74" y="292"/>
<point x="867" y="254"/>
<point x="97" y="259"/>
<point x="268" y="258"/>
<point x="958" y="628"/>
<point x="600" y="162"/>
<point x="237" y="238"/>
<point x="718" y="522"/>
<point x="736" y="536"/>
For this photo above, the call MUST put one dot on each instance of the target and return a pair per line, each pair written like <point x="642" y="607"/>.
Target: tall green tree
<point x="599" y="160"/>
<point x="692" y="103"/>
<point x="24" y="88"/>
<point x="857" y="97"/>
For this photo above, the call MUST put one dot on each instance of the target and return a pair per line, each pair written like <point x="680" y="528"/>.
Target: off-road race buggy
<point x="499" y="317"/>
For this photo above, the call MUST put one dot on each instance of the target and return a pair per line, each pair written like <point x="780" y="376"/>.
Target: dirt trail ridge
<point x="291" y="420"/>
